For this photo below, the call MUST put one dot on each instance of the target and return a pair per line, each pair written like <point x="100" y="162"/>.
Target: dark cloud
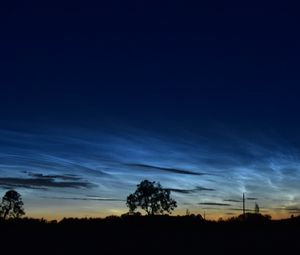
<point x="66" y="177"/>
<point x="208" y="208"/>
<point x="88" y="199"/>
<point x="233" y="200"/>
<point x="189" y="191"/>
<point x="240" y="209"/>
<point x="171" y="170"/>
<point x="43" y="182"/>
<point x="215" y="204"/>
<point x="292" y="208"/>
<point x="252" y="198"/>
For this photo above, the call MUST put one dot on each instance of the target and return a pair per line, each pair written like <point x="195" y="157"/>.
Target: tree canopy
<point x="151" y="197"/>
<point x="11" y="205"/>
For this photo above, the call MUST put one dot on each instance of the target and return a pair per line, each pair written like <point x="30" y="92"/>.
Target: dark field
<point x="149" y="235"/>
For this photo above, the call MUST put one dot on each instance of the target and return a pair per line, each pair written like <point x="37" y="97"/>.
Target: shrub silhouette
<point x="152" y="198"/>
<point x="12" y="205"/>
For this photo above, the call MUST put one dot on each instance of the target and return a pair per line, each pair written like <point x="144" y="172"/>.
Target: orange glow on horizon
<point x="209" y="215"/>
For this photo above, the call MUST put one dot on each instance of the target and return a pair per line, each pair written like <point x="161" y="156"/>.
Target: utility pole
<point x="244" y="210"/>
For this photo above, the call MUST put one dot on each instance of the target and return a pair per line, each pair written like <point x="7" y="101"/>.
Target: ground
<point x="149" y="235"/>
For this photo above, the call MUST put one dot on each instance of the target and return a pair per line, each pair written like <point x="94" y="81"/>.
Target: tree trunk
<point x="7" y="211"/>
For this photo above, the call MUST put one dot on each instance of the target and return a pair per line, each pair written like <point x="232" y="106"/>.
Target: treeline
<point x="149" y="235"/>
<point x="192" y="218"/>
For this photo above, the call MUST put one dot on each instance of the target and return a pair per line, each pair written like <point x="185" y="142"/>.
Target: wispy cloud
<point x="164" y="169"/>
<point x="232" y="200"/>
<point x="190" y="191"/>
<point x="66" y="177"/>
<point x="40" y="181"/>
<point x="218" y="168"/>
<point x="240" y="209"/>
<point x="292" y="209"/>
<point x="87" y="199"/>
<point x="214" y="204"/>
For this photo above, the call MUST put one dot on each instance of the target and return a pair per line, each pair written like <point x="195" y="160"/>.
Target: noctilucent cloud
<point x="203" y="99"/>
<point x="79" y="172"/>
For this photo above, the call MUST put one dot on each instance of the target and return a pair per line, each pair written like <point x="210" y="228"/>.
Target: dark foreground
<point x="149" y="235"/>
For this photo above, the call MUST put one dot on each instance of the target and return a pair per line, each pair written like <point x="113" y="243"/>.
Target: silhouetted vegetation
<point x="251" y="217"/>
<point x="152" y="234"/>
<point x="159" y="234"/>
<point x="152" y="198"/>
<point x="11" y="205"/>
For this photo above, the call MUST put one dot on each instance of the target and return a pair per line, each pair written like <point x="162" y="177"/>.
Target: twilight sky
<point x="202" y="98"/>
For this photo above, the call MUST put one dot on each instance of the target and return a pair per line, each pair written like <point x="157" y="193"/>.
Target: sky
<point x="203" y="98"/>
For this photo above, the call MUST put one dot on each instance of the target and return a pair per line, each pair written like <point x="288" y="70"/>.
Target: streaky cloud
<point x="214" y="204"/>
<point x="233" y="200"/>
<point x="240" y="209"/>
<point x="295" y="209"/>
<point x="190" y="191"/>
<point x="165" y="169"/>
<point x="62" y="177"/>
<point x="42" y="183"/>
<point x="229" y="213"/>
<point x="87" y="199"/>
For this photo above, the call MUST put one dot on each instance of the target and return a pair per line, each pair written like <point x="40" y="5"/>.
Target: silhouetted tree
<point x="152" y="198"/>
<point x="12" y="205"/>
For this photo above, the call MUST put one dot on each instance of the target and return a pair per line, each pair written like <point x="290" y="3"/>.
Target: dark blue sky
<point x="96" y="97"/>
